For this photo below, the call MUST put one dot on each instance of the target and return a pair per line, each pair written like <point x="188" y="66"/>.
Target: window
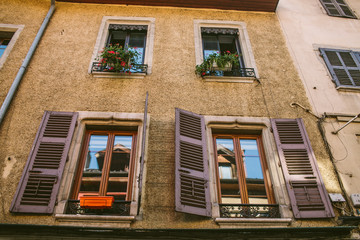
<point x="129" y="32"/>
<point x="5" y="38"/>
<point x="220" y="37"/>
<point x="337" y="8"/>
<point x="106" y="165"/>
<point x="238" y="176"/>
<point x="9" y="33"/>
<point x="242" y="170"/>
<point x="344" y="67"/>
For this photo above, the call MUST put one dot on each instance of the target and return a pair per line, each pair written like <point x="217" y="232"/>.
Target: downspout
<point x="25" y="63"/>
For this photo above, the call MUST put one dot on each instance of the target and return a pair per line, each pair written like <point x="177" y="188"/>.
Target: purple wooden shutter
<point x="309" y="198"/>
<point x="331" y="8"/>
<point x="39" y="184"/>
<point x="191" y="164"/>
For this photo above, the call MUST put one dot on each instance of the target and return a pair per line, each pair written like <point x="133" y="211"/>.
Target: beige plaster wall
<point x="57" y="80"/>
<point x="307" y="27"/>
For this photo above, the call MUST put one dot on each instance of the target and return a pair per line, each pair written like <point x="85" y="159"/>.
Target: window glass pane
<point x="229" y="184"/>
<point x="137" y="42"/>
<point x="2" y="49"/>
<point x="118" y="37"/>
<point x="119" y="167"/>
<point x="253" y="171"/>
<point x="94" y="163"/>
<point x="211" y="45"/>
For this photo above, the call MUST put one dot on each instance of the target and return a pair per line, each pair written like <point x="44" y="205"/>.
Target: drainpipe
<point x="25" y="63"/>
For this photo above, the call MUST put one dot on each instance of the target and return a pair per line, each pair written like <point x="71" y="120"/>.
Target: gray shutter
<point x="309" y="198"/>
<point x="346" y="11"/>
<point x="331" y="8"/>
<point x="343" y="66"/>
<point x="39" y="184"/>
<point x="191" y="164"/>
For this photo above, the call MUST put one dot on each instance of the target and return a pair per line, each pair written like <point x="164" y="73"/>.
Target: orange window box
<point x="96" y="202"/>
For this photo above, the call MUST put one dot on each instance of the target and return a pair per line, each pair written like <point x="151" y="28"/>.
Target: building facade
<point x="95" y="143"/>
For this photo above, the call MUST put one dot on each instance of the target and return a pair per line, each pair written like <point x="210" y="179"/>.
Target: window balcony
<point x="136" y="68"/>
<point x="239" y="72"/>
<point x="249" y="211"/>
<point x="119" y="208"/>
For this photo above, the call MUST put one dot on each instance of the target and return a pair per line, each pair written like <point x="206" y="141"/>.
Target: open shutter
<point x="346" y="11"/>
<point x="39" y="184"/>
<point x="309" y="198"/>
<point x="191" y="164"/>
<point x="330" y="8"/>
<point x="343" y="66"/>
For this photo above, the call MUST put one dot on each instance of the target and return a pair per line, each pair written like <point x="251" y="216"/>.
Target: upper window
<point x="106" y="166"/>
<point x="242" y="170"/>
<point x="9" y="33"/>
<point x="5" y="38"/>
<point x="337" y="8"/>
<point x="128" y="44"/>
<point x="344" y="66"/>
<point x="224" y="38"/>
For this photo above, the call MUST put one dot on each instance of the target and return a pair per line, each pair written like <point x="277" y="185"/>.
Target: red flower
<point x="202" y="73"/>
<point x="228" y="52"/>
<point x="123" y="63"/>
<point x="111" y="52"/>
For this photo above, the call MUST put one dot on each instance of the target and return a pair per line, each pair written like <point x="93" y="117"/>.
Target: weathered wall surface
<point x="57" y="80"/>
<point x="307" y="27"/>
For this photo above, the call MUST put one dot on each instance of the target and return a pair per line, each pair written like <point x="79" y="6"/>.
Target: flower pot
<point x="96" y="202"/>
<point x="226" y="68"/>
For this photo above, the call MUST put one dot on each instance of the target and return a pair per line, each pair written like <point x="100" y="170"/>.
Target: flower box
<point x="226" y="68"/>
<point x="96" y="202"/>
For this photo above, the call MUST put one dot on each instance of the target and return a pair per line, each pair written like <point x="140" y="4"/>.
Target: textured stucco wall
<point x="57" y="80"/>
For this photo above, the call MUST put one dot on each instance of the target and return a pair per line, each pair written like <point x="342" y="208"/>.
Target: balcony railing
<point x="239" y="72"/>
<point x="136" y="68"/>
<point x="249" y="211"/>
<point x="119" y="208"/>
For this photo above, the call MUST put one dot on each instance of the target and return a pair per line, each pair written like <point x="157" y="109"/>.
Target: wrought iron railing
<point x="249" y="211"/>
<point x="236" y="72"/>
<point x="119" y="208"/>
<point x="136" y="68"/>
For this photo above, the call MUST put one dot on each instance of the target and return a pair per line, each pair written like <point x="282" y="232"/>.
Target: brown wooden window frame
<point x="240" y="167"/>
<point x="107" y="161"/>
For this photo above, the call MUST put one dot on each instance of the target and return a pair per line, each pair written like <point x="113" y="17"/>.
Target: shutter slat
<point x="306" y="190"/>
<point x="191" y="165"/>
<point x="39" y="184"/>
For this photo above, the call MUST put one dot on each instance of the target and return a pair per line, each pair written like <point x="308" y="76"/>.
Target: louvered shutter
<point x="346" y="11"/>
<point x="331" y="8"/>
<point x="343" y="66"/>
<point x="309" y="198"/>
<point x="191" y="164"/>
<point x="39" y="184"/>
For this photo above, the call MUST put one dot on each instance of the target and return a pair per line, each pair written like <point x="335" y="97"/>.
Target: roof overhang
<point x="239" y="5"/>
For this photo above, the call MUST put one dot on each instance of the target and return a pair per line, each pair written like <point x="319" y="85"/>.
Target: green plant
<point x="221" y="61"/>
<point x="118" y="59"/>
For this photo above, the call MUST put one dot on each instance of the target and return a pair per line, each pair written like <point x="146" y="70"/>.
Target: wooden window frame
<point x="240" y="167"/>
<point x="107" y="162"/>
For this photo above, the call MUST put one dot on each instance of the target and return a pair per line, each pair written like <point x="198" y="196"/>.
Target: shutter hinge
<point x="271" y="130"/>
<point x="279" y="163"/>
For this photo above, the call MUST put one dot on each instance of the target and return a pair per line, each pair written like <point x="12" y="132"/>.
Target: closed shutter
<point x="337" y="8"/>
<point x="191" y="164"/>
<point x="343" y="66"/>
<point x="309" y="198"/>
<point x="39" y="184"/>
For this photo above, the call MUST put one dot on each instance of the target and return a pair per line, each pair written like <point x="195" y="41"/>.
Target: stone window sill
<point x="118" y="75"/>
<point x="253" y="222"/>
<point x="229" y="79"/>
<point x="95" y="220"/>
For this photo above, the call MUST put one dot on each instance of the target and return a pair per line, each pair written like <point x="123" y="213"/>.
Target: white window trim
<point x="244" y="42"/>
<point x="103" y="36"/>
<point x="16" y="29"/>
<point x="100" y="119"/>
<point x="272" y="159"/>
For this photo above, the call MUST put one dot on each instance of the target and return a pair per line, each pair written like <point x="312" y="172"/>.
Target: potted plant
<point x="115" y="58"/>
<point x="96" y="202"/>
<point x="218" y="62"/>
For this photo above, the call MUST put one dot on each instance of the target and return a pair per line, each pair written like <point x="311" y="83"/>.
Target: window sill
<point x="253" y="222"/>
<point x="95" y="220"/>
<point x="118" y="75"/>
<point x="229" y="79"/>
<point x="348" y="89"/>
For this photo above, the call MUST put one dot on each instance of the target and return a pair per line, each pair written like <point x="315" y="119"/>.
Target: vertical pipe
<point x="20" y="74"/>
